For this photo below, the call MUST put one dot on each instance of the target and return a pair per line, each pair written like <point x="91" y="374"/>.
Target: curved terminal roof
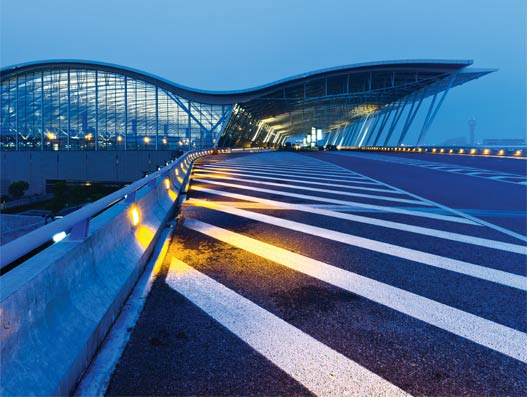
<point x="326" y="99"/>
<point x="241" y="96"/>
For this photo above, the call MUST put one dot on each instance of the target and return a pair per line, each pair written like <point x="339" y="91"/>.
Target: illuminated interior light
<point x="50" y="135"/>
<point x="147" y="139"/>
<point x="176" y="171"/>
<point x="167" y="183"/>
<point x="164" y="140"/>
<point x="119" y="138"/>
<point x="59" y="237"/>
<point x="134" y="216"/>
<point x="88" y="137"/>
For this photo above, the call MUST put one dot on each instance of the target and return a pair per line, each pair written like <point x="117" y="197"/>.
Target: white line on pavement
<point x="329" y="191"/>
<point x="463" y="238"/>
<point x="395" y="210"/>
<point x="476" y="329"/>
<point x="322" y="370"/>
<point x="224" y="174"/>
<point x="438" y="261"/>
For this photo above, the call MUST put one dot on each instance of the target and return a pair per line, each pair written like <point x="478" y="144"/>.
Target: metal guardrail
<point x="77" y="223"/>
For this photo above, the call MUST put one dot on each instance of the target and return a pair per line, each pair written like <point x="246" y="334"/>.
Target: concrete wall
<point x="35" y="167"/>
<point x="56" y="307"/>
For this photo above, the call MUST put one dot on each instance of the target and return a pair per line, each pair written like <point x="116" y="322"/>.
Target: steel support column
<point x="395" y="120"/>
<point x="410" y="118"/>
<point x="386" y="117"/>
<point x="432" y="113"/>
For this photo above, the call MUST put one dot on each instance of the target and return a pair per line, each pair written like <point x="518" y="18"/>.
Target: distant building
<point x="505" y="142"/>
<point x="458" y="141"/>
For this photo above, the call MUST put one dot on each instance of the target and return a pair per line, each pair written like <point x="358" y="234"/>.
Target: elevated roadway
<point x="339" y="274"/>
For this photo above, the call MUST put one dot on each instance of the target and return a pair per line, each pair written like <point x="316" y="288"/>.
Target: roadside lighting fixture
<point x="486" y="151"/>
<point x="461" y="151"/>
<point x="146" y="139"/>
<point x="88" y="137"/>
<point x="473" y="151"/>
<point x="119" y="138"/>
<point x="59" y="237"/>
<point x="134" y="216"/>
<point x="501" y="152"/>
<point x="518" y="153"/>
<point x="164" y="140"/>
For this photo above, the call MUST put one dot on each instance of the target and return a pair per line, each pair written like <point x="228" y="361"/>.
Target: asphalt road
<point x="336" y="274"/>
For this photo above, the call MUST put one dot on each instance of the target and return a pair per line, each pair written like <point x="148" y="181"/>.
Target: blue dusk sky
<point x="234" y="44"/>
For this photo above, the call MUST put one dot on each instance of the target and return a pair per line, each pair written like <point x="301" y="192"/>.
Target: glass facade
<point x="90" y="109"/>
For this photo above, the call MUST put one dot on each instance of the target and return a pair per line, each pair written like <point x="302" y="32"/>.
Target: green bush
<point x="18" y="188"/>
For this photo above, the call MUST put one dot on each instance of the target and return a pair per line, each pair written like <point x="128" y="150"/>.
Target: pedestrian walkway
<point x="288" y="275"/>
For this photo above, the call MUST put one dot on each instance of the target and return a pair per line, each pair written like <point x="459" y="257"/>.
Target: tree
<point x="18" y="188"/>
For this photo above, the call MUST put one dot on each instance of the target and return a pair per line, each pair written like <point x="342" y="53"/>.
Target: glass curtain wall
<point x="85" y="109"/>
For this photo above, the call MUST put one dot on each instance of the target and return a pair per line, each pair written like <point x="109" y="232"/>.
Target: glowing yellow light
<point x="518" y="153"/>
<point x="501" y="152"/>
<point x="167" y="183"/>
<point x="442" y="151"/>
<point x="164" y="141"/>
<point x="144" y="235"/>
<point x="451" y="151"/>
<point x="172" y="195"/>
<point x="119" y="138"/>
<point x="420" y="150"/>
<point x="50" y="135"/>
<point x="434" y="150"/>
<point x="461" y="151"/>
<point x="134" y="215"/>
<point x="146" y="139"/>
<point x="486" y="151"/>
<point x="88" y="137"/>
<point x="176" y="171"/>
<point x="473" y="151"/>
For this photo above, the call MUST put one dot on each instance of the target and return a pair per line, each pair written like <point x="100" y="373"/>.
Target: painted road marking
<point x="455" y="169"/>
<point x="346" y="179"/>
<point x="329" y="191"/>
<point x="495" y="336"/>
<point x="438" y="261"/>
<point x="322" y="370"/>
<point x="396" y="210"/>
<point x="224" y="174"/>
<point x="463" y="238"/>
<point x="457" y="212"/>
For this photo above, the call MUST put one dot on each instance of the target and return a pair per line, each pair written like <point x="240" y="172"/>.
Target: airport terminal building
<point x="69" y="106"/>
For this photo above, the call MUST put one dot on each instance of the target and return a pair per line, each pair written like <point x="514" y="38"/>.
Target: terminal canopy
<point x="72" y="105"/>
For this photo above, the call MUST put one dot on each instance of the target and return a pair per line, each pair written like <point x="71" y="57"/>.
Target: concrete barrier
<point x="57" y="306"/>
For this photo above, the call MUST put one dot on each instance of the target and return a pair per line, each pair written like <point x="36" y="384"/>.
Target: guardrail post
<point x="130" y="198"/>
<point x="79" y="231"/>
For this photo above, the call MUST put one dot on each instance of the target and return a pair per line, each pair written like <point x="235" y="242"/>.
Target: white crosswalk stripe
<point x="319" y="368"/>
<point x="229" y="189"/>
